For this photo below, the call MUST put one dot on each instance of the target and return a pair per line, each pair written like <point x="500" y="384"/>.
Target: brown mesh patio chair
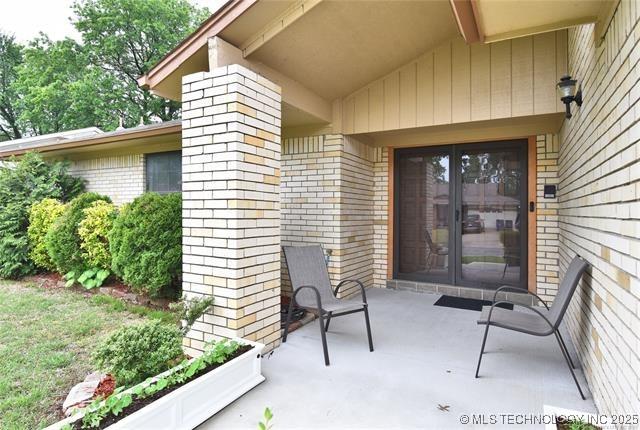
<point x="537" y="322"/>
<point x="312" y="289"/>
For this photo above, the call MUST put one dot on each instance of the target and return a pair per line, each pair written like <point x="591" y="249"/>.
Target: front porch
<point x="424" y="358"/>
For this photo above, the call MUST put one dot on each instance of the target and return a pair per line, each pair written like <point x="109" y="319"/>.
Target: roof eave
<point x="166" y="128"/>
<point x="224" y="16"/>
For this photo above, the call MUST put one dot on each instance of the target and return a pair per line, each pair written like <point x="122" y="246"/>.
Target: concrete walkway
<point x="421" y="374"/>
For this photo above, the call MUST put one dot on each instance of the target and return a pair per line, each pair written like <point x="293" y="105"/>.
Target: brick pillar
<point x="231" y="204"/>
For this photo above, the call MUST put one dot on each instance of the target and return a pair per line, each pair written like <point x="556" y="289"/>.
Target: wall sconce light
<point x="568" y="94"/>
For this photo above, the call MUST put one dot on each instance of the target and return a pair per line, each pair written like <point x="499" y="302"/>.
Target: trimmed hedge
<point x="94" y="232"/>
<point x="134" y="353"/>
<point x="63" y="241"/>
<point x="146" y="244"/>
<point x="41" y="217"/>
<point x="23" y="182"/>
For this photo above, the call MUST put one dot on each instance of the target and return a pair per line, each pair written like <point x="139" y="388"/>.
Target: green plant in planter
<point x="90" y="278"/>
<point x="215" y="353"/>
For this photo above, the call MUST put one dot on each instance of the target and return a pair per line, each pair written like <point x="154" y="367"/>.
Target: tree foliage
<point x="10" y="58"/>
<point x="127" y="37"/>
<point x="22" y="183"/>
<point x="51" y="86"/>
<point x="61" y="90"/>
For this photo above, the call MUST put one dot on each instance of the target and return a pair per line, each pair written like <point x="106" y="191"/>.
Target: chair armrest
<point x="362" y="289"/>
<point x="314" y="289"/>
<point x="520" y="290"/>
<point x="531" y="308"/>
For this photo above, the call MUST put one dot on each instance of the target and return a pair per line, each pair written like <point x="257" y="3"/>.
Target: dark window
<point x="164" y="172"/>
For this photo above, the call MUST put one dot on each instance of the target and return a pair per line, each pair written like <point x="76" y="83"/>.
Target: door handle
<point x="457" y="215"/>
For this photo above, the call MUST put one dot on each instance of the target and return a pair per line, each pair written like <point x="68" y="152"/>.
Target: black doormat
<point x="470" y="304"/>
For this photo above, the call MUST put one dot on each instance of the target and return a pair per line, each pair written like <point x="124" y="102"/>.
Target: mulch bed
<point x="141" y="403"/>
<point x="111" y="287"/>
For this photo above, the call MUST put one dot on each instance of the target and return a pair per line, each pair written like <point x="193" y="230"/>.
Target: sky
<point x="26" y="18"/>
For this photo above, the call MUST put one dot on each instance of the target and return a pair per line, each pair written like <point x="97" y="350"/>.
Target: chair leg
<point x="484" y="342"/>
<point x="323" y="336"/>
<point x="326" y="326"/>
<point x="429" y="261"/>
<point x="568" y="360"/>
<point x="286" y="324"/>
<point x="366" y="319"/>
<point x="564" y="346"/>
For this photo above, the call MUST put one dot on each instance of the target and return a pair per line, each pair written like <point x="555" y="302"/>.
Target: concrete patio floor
<point x="425" y="357"/>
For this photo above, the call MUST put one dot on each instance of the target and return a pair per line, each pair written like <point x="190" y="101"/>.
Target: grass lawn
<point x="46" y="340"/>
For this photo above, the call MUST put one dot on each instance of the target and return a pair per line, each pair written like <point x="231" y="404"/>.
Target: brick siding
<point x="600" y="210"/>
<point x="231" y="204"/>
<point x="120" y="177"/>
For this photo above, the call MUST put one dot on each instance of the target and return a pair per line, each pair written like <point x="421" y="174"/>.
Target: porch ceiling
<point x="494" y="20"/>
<point x="337" y="47"/>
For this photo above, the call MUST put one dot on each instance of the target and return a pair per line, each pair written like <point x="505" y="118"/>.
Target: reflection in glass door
<point x="460" y="214"/>
<point x="492" y="183"/>
<point x="423" y="228"/>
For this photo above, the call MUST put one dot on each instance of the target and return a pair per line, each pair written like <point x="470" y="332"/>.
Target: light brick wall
<point x="231" y="204"/>
<point x="548" y="230"/>
<point x="380" y="217"/>
<point x="600" y="208"/>
<point x="120" y="177"/>
<point x="327" y="197"/>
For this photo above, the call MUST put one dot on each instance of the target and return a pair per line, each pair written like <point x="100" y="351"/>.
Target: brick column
<point x="231" y="204"/>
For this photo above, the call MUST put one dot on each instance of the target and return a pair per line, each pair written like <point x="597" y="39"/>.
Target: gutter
<point x="161" y="129"/>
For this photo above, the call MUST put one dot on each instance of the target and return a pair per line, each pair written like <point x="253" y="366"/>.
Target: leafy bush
<point x="94" y="230"/>
<point x="23" y="182"/>
<point x="146" y="244"/>
<point x="135" y="353"/>
<point x="41" y="217"/>
<point x="90" y="278"/>
<point x="189" y="310"/>
<point x="62" y="240"/>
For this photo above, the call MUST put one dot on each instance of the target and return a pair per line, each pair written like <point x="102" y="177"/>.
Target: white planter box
<point x="553" y="411"/>
<point x="196" y="401"/>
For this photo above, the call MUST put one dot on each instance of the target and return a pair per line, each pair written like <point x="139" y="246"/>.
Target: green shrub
<point x="135" y="353"/>
<point x="62" y="240"/>
<point x="94" y="231"/>
<point x="146" y="242"/>
<point x="41" y="217"/>
<point x="23" y="182"/>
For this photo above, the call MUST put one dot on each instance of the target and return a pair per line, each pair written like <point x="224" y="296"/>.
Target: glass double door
<point x="460" y="214"/>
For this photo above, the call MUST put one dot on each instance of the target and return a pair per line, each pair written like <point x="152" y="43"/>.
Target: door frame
<point x="454" y="277"/>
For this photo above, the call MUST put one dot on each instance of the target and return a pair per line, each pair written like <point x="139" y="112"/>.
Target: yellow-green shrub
<point x="41" y="217"/>
<point x="94" y="233"/>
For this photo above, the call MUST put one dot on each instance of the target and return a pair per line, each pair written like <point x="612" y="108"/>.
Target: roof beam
<point x="466" y="12"/>
<point x="277" y="25"/>
<point x="222" y="53"/>
<point x="231" y="10"/>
